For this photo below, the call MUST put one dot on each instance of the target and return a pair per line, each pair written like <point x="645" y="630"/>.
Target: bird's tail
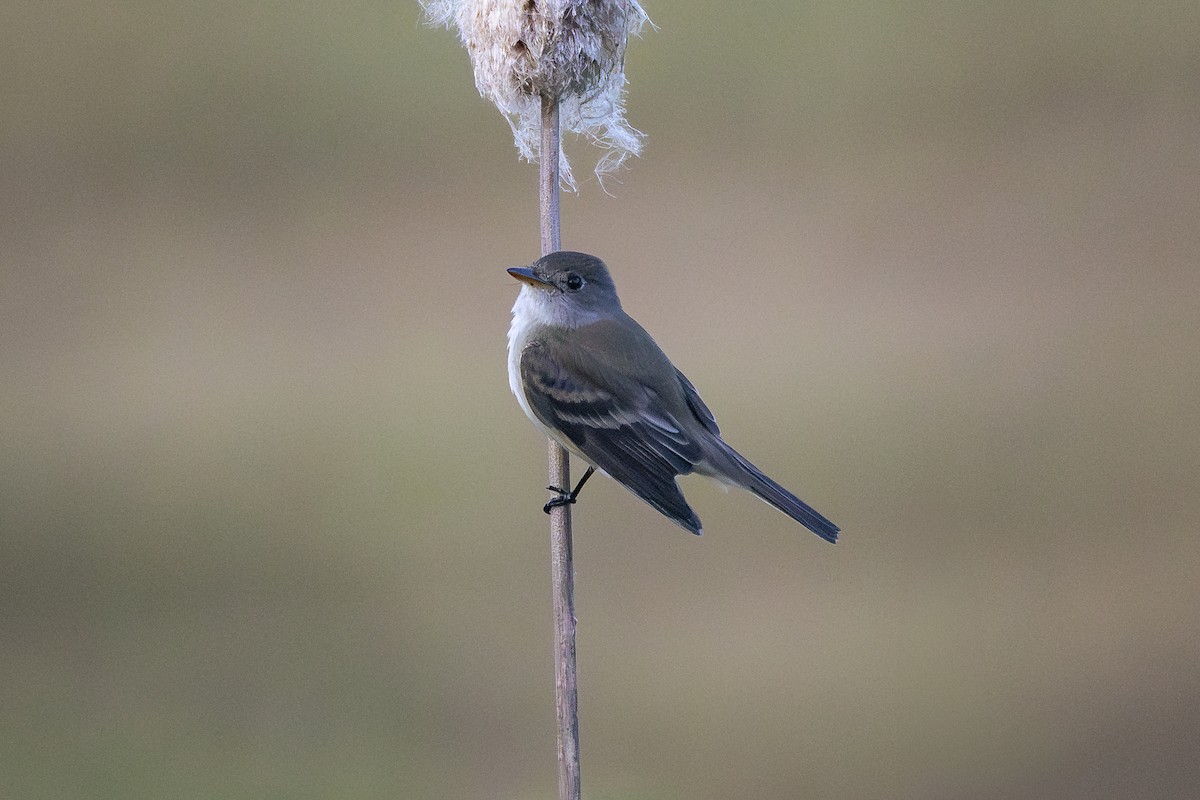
<point x="750" y="477"/>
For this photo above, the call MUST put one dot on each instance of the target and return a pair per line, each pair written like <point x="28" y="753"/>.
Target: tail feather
<point x="766" y="489"/>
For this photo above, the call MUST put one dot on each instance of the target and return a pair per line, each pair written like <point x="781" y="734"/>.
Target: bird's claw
<point x="567" y="496"/>
<point x="564" y="498"/>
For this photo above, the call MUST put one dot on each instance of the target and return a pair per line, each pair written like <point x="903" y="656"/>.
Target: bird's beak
<point x="525" y="275"/>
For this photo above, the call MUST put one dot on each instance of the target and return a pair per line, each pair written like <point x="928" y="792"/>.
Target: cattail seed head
<point x="572" y="51"/>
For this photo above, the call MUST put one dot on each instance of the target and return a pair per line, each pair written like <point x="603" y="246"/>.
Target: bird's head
<point x="568" y="288"/>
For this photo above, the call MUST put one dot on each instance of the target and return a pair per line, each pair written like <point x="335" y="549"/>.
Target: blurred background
<point x="270" y="520"/>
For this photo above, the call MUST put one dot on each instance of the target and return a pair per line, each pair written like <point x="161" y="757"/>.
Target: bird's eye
<point x="574" y="283"/>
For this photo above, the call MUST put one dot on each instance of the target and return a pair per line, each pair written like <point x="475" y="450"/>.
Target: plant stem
<point x="562" y="580"/>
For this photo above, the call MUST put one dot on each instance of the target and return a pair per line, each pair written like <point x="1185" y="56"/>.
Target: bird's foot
<point x="565" y="497"/>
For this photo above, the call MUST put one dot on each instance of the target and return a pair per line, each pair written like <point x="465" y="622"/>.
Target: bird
<point x="592" y="379"/>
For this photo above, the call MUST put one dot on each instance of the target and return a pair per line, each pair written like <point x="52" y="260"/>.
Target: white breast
<point x="534" y="309"/>
<point x="528" y="313"/>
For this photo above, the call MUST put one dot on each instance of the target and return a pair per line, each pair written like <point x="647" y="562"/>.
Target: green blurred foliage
<point x="269" y="518"/>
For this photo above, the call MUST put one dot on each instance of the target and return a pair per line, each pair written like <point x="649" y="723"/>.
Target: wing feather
<point x="624" y="431"/>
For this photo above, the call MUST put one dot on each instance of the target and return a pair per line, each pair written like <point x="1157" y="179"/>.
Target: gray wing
<point x="623" y="430"/>
<point x="697" y="405"/>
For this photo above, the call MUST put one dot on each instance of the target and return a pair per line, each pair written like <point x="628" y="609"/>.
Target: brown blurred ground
<point x="269" y="518"/>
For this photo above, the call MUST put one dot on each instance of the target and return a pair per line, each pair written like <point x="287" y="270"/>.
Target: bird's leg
<point x="565" y="497"/>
